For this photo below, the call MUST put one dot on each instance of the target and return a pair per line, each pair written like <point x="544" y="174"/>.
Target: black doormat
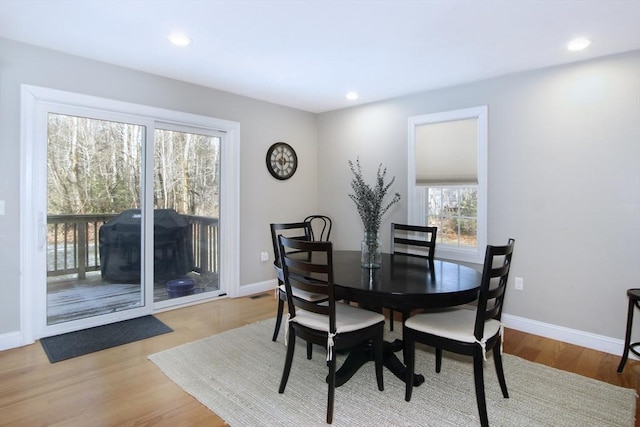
<point x="78" y="343"/>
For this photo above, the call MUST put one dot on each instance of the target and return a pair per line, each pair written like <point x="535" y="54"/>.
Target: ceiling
<point x="308" y="54"/>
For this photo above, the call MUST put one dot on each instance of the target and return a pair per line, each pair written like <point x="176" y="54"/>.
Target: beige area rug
<point x="236" y="374"/>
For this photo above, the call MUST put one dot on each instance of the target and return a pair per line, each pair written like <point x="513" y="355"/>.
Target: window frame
<point x="416" y="198"/>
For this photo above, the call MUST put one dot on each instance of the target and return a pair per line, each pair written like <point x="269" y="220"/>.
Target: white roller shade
<point x="447" y="152"/>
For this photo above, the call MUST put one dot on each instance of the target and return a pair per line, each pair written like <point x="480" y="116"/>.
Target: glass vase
<point x="371" y="250"/>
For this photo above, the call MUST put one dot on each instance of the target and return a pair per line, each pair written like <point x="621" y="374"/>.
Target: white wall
<point x="263" y="199"/>
<point x="564" y="181"/>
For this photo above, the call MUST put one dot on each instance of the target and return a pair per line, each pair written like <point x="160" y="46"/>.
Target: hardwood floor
<point x="121" y="387"/>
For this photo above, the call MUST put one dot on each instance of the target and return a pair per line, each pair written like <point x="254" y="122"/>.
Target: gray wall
<point x="262" y="200"/>
<point x="564" y="171"/>
<point x="564" y="181"/>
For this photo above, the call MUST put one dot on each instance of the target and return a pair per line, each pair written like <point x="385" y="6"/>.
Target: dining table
<point x="404" y="283"/>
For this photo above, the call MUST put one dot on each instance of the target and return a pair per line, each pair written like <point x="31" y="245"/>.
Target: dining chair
<point x="464" y="331"/>
<point x="412" y="240"/>
<point x="300" y="231"/>
<point x="634" y="302"/>
<point x="320" y="227"/>
<point x="334" y="325"/>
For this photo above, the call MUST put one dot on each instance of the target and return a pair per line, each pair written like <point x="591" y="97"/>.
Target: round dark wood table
<point x="403" y="283"/>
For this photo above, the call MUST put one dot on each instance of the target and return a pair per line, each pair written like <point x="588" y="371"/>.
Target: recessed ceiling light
<point x="352" y="96"/>
<point x="578" y="44"/>
<point x="179" y="39"/>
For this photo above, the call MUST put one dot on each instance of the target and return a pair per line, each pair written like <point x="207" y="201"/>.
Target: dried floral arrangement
<point x="369" y="200"/>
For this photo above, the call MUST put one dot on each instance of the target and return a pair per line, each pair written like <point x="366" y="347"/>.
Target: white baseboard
<point x="547" y="330"/>
<point x="571" y="336"/>
<point x="10" y="340"/>
<point x="256" y="288"/>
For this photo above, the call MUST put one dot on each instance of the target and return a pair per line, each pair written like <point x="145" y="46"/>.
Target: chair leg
<point x="278" y="318"/>
<point x="497" y="359"/>
<point x="291" y="345"/>
<point x="438" y="360"/>
<point x="627" y="337"/>
<point x="478" y="377"/>
<point x="391" y="320"/>
<point x="409" y="351"/>
<point x="332" y="389"/>
<point x="378" y="356"/>
<point x="309" y="350"/>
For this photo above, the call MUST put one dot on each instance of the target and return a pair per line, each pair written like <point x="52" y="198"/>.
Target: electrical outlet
<point x="519" y="285"/>
<point x="264" y="256"/>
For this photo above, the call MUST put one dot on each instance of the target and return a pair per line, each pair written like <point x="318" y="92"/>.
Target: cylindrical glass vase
<point x="371" y="250"/>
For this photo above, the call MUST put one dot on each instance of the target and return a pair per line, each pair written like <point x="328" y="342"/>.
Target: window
<point x="454" y="210"/>
<point x="447" y="180"/>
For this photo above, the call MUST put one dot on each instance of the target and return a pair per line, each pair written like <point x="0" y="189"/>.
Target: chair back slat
<point x="308" y="266"/>
<point x="414" y="240"/>
<point x="306" y="263"/>
<point x="320" y="227"/>
<point x="495" y="274"/>
<point x="310" y="306"/>
<point x="308" y="284"/>
<point x="306" y="274"/>
<point x="491" y="313"/>
<point x="296" y="230"/>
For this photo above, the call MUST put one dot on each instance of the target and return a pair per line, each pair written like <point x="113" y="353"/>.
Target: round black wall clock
<point x="282" y="161"/>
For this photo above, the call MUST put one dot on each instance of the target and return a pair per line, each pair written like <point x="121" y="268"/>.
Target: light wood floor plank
<point x="120" y="386"/>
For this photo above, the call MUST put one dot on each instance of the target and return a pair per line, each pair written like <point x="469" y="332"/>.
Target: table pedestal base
<point x="362" y="354"/>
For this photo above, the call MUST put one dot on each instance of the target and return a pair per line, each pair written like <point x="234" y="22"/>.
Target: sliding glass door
<point x="132" y="216"/>
<point x="94" y="228"/>
<point x="126" y="209"/>
<point x="186" y="198"/>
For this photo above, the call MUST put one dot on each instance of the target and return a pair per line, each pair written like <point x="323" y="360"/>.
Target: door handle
<point x="42" y="231"/>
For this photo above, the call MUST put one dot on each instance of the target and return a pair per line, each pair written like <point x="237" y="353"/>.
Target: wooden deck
<point x="76" y="252"/>
<point x="71" y="298"/>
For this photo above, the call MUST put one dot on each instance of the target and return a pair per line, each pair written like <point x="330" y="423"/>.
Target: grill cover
<point x="120" y="240"/>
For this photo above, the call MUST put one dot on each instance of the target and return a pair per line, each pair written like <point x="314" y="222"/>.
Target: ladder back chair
<point x="320" y="227"/>
<point x="412" y="240"/>
<point x="300" y="231"/>
<point x="464" y="331"/>
<point x="634" y="302"/>
<point x="308" y="266"/>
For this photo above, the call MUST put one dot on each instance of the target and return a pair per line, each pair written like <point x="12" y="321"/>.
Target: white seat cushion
<point x="348" y="318"/>
<point x="307" y="296"/>
<point x="456" y="324"/>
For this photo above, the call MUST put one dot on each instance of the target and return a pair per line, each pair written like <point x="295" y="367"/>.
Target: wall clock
<point x="282" y="161"/>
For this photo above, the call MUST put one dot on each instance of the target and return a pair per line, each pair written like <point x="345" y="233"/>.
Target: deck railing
<point x="205" y="241"/>
<point x="73" y="245"/>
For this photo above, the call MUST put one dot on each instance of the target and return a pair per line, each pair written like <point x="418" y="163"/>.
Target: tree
<point x="94" y="167"/>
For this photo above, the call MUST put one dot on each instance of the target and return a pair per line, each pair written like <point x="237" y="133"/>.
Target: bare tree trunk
<point x="186" y="199"/>
<point x="74" y="171"/>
